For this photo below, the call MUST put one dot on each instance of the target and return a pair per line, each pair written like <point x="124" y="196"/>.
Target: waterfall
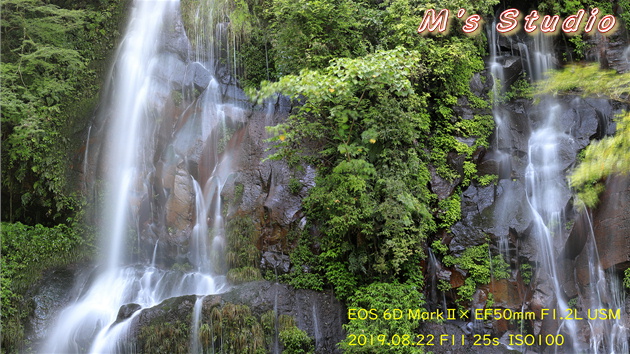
<point x="501" y="118"/>
<point x="603" y="293"/>
<point x="166" y="156"/>
<point x="195" y="343"/>
<point x="547" y="196"/>
<point x="86" y="155"/>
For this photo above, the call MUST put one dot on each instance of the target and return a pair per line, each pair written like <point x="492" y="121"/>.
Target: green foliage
<point x="48" y="78"/>
<point x="626" y="279"/>
<point x="587" y="80"/>
<point x="26" y="252"/>
<point x="580" y="45"/>
<point x="520" y="88"/>
<point x="308" y="34"/>
<point x="295" y="186"/>
<point x="486" y="180"/>
<point x="305" y="266"/>
<point x="243" y="275"/>
<point x="451" y="210"/>
<point x="444" y="285"/>
<point x="481" y="268"/>
<point x="439" y="247"/>
<point x="610" y="155"/>
<point x="242" y="256"/>
<point x="382" y="297"/>
<point x="371" y="193"/>
<point x="526" y="273"/>
<point x="165" y="337"/>
<point x="296" y="341"/>
<point x="603" y="158"/>
<point x="372" y="123"/>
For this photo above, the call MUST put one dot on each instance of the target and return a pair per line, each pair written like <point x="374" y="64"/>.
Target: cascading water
<point x="500" y="117"/>
<point x="604" y="292"/>
<point x="147" y="178"/>
<point x="547" y="195"/>
<point x="195" y="343"/>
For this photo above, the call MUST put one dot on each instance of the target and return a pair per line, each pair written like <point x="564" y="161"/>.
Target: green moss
<point x="242" y="255"/>
<point x="295" y="186"/>
<point x="239" y="188"/>
<point x="177" y="97"/>
<point x="232" y="328"/>
<point x="243" y="275"/>
<point x="182" y="267"/>
<point x="526" y="273"/>
<point x="481" y="268"/>
<point x="439" y="247"/>
<point x="26" y="252"/>
<point x="165" y="337"/>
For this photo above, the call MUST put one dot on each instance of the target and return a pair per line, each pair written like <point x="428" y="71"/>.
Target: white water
<point x="603" y="292"/>
<point x="86" y="155"/>
<point x="138" y="101"/>
<point x="501" y="119"/>
<point x="546" y="183"/>
<point x="547" y="197"/>
<point x="195" y="342"/>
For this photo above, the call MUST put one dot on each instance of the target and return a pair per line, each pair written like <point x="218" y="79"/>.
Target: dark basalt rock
<point x="317" y="313"/>
<point x="440" y="186"/>
<point x="197" y="76"/>
<point x="512" y="69"/>
<point x="611" y="230"/>
<point x="174" y="39"/>
<point x="275" y="262"/>
<point x="51" y="294"/>
<point x="126" y="311"/>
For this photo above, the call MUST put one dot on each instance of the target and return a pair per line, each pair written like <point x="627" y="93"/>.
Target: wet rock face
<point x="320" y="315"/>
<point x="197" y="76"/>
<point x="174" y="39"/>
<point x="126" y="311"/>
<point x="51" y="295"/>
<point x="501" y="210"/>
<point x="611" y="230"/>
<point x="179" y="206"/>
<point x="264" y="194"/>
<point x="611" y="224"/>
<point x="275" y="262"/>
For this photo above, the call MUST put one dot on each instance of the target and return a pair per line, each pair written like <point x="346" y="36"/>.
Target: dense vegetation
<point x="375" y="113"/>
<point x="53" y="53"/>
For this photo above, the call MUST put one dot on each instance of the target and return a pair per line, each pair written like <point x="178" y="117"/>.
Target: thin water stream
<point x="547" y="196"/>
<point x="137" y="106"/>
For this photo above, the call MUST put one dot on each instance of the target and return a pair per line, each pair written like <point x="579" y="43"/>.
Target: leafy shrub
<point x="26" y="252"/>
<point x="383" y="298"/>
<point x="296" y="341"/>
<point x="481" y="267"/>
